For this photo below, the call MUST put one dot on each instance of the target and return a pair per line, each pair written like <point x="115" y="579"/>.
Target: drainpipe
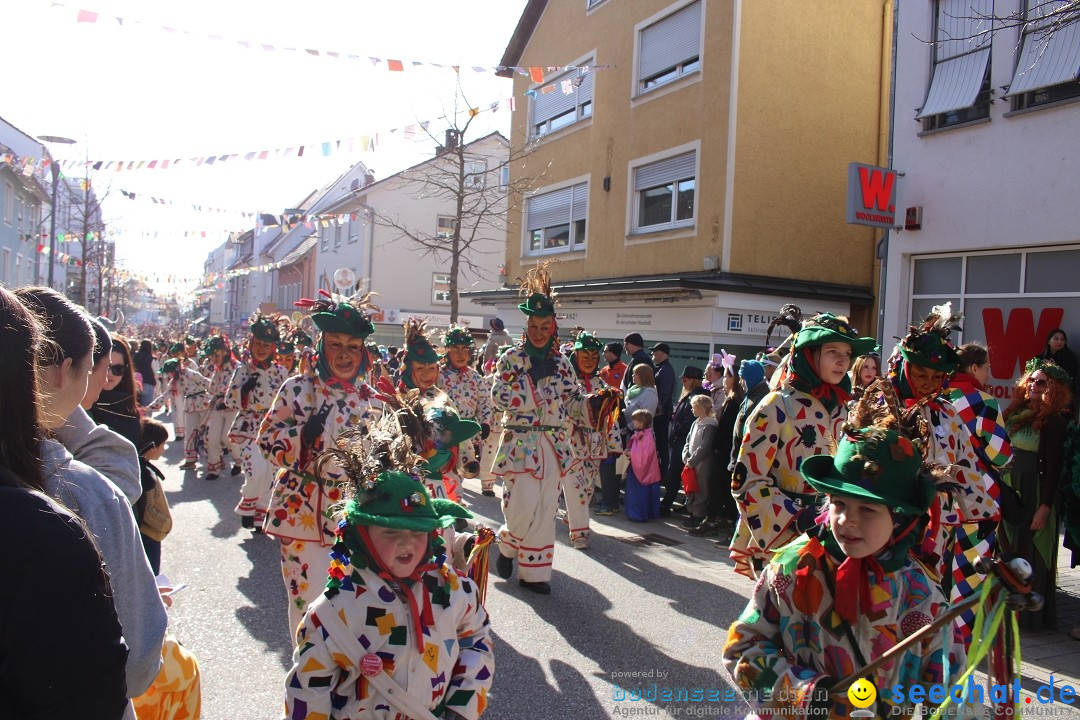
<point x="883" y="246"/>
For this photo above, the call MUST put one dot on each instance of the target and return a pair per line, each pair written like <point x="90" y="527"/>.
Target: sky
<point x="133" y="90"/>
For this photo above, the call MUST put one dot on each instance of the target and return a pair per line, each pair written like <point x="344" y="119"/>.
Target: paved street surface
<point x="645" y="604"/>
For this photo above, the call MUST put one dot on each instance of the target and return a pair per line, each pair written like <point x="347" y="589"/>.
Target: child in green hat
<point x="845" y="593"/>
<point x="470" y="395"/>
<point x="398" y="632"/>
<point x="798" y="420"/>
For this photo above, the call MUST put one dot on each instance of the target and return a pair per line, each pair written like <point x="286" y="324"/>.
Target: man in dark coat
<point x="665" y="392"/>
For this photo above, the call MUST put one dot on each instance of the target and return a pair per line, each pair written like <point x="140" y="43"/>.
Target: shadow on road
<point x="266" y="619"/>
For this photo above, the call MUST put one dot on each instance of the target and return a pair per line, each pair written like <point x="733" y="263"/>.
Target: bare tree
<point x="479" y="206"/>
<point x="1042" y="18"/>
<point x="84" y="216"/>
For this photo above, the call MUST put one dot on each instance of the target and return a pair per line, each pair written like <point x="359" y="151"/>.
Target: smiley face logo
<point x="862" y="693"/>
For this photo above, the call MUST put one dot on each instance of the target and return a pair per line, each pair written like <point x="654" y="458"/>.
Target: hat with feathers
<point x="929" y="344"/>
<point x="536" y="289"/>
<point x="339" y="314"/>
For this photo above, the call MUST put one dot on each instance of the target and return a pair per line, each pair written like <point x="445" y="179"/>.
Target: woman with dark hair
<point x="1036" y="421"/>
<point x="118" y="407"/>
<point x="1057" y="351"/>
<point x="81" y="618"/>
<point x="143" y="363"/>
<point x="64" y="364"/>
<point x="721" y="512"/>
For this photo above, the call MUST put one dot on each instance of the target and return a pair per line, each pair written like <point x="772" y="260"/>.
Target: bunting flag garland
<point x="363" y="143"/>
<point x="392" y="65"/>
<point x="187" y="206"/>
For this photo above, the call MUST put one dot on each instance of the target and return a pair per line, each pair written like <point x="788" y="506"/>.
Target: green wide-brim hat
<point x="421" y="351"/>
<point x="538" y="304"/>
<point x="172" y="365"/>
<point x="446" y="420"/>
<point x="301" y="338"/>
<point x="458" y="336"/>
<point x="827" y="328"/>
<point x="286" y="348"/>
<point x="874" y="465"/>
<point x="398" y="500"/>
<point x="264" y="329"/>
<point x="930" y="350"/>
<point x="176" y="348"/>
<point x="213" y="345"/>
<point x="344" y="319"/>
<point x="588" y="341"/>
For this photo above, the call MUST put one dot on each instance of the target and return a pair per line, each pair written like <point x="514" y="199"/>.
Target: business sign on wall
<point x="1014" y="331"/>
<point x="871" y="196"/>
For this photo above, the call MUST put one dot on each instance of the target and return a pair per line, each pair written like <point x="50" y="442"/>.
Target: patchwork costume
<point x="375" y="641"/>
<point x="308" y="415"/>
<point x="817" y="616"/>
<point x="221" y="416"/>
<point x="252" y="390"/>
<point x="470" y="394"/>
<point x="795" y="422"/>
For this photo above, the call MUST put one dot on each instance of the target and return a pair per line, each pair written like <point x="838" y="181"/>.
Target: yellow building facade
<point x="688" y="172"/>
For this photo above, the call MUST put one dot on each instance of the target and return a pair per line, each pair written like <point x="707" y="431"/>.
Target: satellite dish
<point x="344" y="278"/>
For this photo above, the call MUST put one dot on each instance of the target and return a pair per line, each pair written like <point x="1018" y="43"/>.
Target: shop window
<point x="938" y="276"/>
<point x="1053" y="271"/>
<point x="993" y="274"/>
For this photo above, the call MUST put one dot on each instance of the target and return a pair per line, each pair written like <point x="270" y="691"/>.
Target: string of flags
<point x="82" y="15"/>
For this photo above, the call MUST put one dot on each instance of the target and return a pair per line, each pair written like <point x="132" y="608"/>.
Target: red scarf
<point x="421" y="618"/>
<point x="932" y="401"/>
<point x="823" y="391"/>
<point x="967" y="384"/>
<point x="853" y="581"/>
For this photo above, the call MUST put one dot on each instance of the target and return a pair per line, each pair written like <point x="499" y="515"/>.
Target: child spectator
<point x="697" y="454"/>
<point x="847" y="591"/>
<point x="152" y="447"/>
<point x="395" y="614"/>
<point x="643" y="472"/>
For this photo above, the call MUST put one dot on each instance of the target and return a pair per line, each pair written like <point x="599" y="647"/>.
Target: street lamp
<point x="55" y="169"/>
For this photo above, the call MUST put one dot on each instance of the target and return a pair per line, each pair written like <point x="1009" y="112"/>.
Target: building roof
<point x="527" y="23"/>
<point x="686" y="284"/>
<point x="303" y="249"/>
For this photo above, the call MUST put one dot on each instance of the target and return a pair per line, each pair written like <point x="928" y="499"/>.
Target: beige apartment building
<point x="692" y="179"/>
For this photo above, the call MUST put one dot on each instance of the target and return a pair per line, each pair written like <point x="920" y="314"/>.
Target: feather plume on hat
<point x="535" y="287"/>
<point x="790" y="317"/>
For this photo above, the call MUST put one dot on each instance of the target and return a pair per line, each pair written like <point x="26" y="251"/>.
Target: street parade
<point x="737" y="396"/>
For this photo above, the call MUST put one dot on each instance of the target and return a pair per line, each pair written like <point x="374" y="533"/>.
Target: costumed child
<point x="398" y="632"/>
<point x="591" y="445"/>
<point x="536" y="389"/>
<point x="191" y="387"/>
<point x="491" y="445"/>
<point x="308" y="415"/>
<point x="643" y="472"/>
<point x="962" y="522"/>
<point x="420" y="370"/>
<point x="286" y="355"/>
<point x="221" y="417"/>
<point x="469" y="393"/>
<point x="798" y="420"/>
<point x="842" y="595"/>
<point x="251" y="393"/>
<point x="172" y="396"/>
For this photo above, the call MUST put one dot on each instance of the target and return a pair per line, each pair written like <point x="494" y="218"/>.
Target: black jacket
<point x="635" y="360"/>
<point x="683" y="418"/>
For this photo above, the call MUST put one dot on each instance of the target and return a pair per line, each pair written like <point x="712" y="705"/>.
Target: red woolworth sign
<point x="1014" y="332"/>
<point x="871" y="196"/>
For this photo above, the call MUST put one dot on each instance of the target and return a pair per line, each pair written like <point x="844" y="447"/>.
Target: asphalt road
<point x="629" y="613"/>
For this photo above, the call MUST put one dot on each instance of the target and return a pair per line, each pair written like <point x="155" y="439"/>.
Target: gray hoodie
<point x="106" y="512"/>
<point x="109" y="453"/>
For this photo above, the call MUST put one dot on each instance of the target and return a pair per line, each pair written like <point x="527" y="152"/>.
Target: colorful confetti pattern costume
<point x="251" y="408"/>
<point x="470" y="393"/>
<point x="220" y="418"/>
<point x="590" y="446"/>
<point x="790" y="638"/>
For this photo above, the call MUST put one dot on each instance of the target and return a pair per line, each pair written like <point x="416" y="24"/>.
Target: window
<point x="18" y="271"/>
<point x="670" y="48"/>
<point x="9" y="202"/>
<point x="563" y="101"/>
<point x="444" y="227"/>
<point x="1049" y="64"/>
<point x="556" y="220"/>
<point x="474" y="174"/>
<point x="7" y="267"/>
<point x="504" y="177"/>
<point x="960" y="88"/>
<point x="354" y="231"/>
<point x="664" y="193"/>
<point x="440" y="288"/>
<point x="324" y="238"/>
<point x="337" y="236"/>
<point x="590" y="4"/>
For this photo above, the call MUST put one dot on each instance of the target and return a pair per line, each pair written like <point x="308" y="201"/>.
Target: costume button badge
<point x="371" y="665"/>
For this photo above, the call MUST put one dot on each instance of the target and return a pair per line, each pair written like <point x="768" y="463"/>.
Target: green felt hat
<point x="191" y="340"/>
<point x="827" y="328"/>
<point x="212" y="345"/>
<point x="874" y="465"/>
<point x="172" y="365"/>
<point x="538" y="304"/>
<point x="585" y="340"/>
<point x="457" y="335"/>
<point x="395" y="499"/>
<point x="450" y="428"/>
<point x="929" y="345"/>
<point x="344" y="319"/>
<point x="417" y="346"/>
<point x="301" y="338"/>
<point x="286" y="348"/>
<point x="263" y="328"/>
<point x="176" y="348"/>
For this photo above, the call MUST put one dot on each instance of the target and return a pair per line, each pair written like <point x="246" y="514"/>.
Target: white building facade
<point x="989" y="162"/>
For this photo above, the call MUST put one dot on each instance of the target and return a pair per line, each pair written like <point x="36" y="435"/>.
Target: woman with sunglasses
<point x="64" y="365"/>
<point x="1036" y="421"/>
<point x="77" y="614"/>
<point x="117" y="406"/>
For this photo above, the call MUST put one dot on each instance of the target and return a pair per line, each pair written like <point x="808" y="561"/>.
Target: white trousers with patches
<point x="528" y="531"/>
<point x="578" y="488"/>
